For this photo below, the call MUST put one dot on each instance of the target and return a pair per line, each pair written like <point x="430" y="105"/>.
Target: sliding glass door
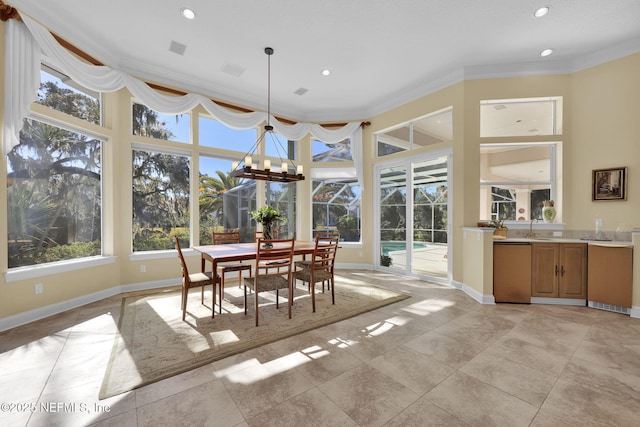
<point x="413" y="216"/>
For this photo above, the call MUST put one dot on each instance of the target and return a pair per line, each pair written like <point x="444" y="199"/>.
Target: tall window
<point x="54" y="195"/>
<point x="282" y="196"/>
<point x="160" y="199"/>
<point x="336" y="202"/>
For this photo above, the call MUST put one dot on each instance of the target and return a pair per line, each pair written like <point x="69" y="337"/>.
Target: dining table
<point x="233" y="252"/>
<point x="242" y="252"/>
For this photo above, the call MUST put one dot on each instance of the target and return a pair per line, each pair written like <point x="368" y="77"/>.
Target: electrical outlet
<point x="143" y="268"/>
<point x="38" y="288"/>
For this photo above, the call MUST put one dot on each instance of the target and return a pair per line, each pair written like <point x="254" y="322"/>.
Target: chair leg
<point x="185" y="292"/>
<point x="312" y="287"/>
<point x="221" y="291"/>
<point x="245" y="300"/>
<point x="333" y="293"/>
<point x="255" y="291"/>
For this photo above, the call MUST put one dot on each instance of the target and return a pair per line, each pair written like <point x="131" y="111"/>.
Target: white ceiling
<point x="381" y="53"/>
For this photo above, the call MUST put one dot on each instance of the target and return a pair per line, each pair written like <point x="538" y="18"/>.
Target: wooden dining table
<point x="242" y="252"/>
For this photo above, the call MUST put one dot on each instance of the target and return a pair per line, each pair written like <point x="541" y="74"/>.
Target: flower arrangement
<point x="267" y="215"/>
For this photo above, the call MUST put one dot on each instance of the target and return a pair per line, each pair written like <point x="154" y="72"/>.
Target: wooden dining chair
<point x="193" y="280"/>
<point x="269" y="278"/>
<point x="305" y="263"/>
<point x="224" y="238"/>
<point x="320" y="267"/>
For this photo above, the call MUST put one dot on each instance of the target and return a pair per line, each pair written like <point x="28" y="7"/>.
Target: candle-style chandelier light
<point x="267" y="174"/>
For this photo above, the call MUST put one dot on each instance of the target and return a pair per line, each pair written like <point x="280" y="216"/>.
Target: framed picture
<point x="610" y="184"/>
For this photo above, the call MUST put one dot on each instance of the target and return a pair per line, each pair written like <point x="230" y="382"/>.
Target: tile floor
<point x="436" y="359"/>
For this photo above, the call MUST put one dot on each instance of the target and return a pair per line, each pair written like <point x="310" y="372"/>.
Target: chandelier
<point x="266" y="174"/>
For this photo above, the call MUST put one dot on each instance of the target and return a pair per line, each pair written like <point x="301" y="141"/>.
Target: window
<point x="331" y="152"/>
<point x="152" y="124"/>
<point x="515" y="179"/>
<point x="160" y="199"/>
<point x="282" y="196"/>
<point x="60" y="92"/>
<point x="54" y="195"/>
<point x="336" y="202"/>
<point x="431" y="129"/>
<point x="278" y="146"/>
<point x="225" y="201"/>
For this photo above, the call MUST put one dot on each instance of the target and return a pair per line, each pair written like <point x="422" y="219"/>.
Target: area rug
<point x="154" y="343"/>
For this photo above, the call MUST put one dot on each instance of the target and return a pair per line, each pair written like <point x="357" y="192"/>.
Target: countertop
<point x="543" y="239"/>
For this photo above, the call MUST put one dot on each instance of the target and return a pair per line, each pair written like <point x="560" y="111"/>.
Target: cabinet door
<point x="512" y="273"/>
<point x="610" y="275"/>
<point x="573" y="271"/>
<point x="544" y="270"/>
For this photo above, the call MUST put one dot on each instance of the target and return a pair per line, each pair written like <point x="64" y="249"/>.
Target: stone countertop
<point x="545" y="239"/>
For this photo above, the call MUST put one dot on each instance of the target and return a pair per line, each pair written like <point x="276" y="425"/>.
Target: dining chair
<point x="194" y="280"/>
<point x="268" y="278"/>
<point x="305" y="263"/>
<point x="320" y="267"/>
<point x="225" y="238"/>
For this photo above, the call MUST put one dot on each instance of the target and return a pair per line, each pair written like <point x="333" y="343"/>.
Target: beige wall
<point x="602" y="111"/>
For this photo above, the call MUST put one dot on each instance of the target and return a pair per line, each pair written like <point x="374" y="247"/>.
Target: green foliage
<point x="267" y="214"/>
<point x="348" y="227"/>
<point x="71" y="251"/>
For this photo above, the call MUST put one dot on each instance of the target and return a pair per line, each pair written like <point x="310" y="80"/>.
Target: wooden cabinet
<point x="611" y="275"/>
<point x="559" y="270"/>
<point x="512" y="272"/>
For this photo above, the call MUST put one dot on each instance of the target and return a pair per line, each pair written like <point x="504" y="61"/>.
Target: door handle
<point x="556" y="270"/>
<point x="562" y="271"/>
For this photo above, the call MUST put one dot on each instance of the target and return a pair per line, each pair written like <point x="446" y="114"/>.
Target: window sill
<point x="40" y="270"/>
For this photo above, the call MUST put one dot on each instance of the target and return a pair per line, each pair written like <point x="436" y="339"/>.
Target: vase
<point x="267" y="232"/>
<point x="549" y="214"/>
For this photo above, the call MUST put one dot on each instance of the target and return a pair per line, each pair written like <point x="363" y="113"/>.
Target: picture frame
<point x="609" y="184"/>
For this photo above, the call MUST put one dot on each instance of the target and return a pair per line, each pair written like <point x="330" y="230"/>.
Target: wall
<point x="606" y="133"/>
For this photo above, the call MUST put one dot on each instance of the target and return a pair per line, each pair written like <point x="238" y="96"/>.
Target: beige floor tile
<point x="311" y="408"/>
<point x="368" y="396"/>
<point x="411" y="368"/>
<point x="480" y="404"/>
<point x="424" y="413"/>
<point x="583" y="403"/>
<point x="445" y="349"/>
<point x="526" y="383"/>
<point x="258" y="388"/>
<point x="527" y="354"/>
<point x="173" y="385"/>
<point x="127" y="419"/>
<point x="208" y="404"/>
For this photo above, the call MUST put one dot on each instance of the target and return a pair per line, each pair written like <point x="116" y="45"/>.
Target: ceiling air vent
<point x="233" y="69"/>
<point x="301" y="91"/>
<point x="176" y="47"/>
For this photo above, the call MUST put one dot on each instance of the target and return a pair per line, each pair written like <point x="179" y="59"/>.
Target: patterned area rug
<point x="154" y="343"/>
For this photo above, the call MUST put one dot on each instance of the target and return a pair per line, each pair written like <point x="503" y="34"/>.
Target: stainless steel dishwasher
<point x="610" y="277"/>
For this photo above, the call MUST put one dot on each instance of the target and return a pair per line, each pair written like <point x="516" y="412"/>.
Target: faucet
<point x="531" y="234"/>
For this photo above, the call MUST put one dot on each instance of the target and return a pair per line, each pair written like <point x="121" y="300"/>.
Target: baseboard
<point x="560" y="301"/>
<point x="635" y="312"/>
<point x="23" y="318"/>
<point x="473" y="293"/>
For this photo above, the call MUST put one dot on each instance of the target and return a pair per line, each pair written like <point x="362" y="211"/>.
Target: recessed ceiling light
<point x="541" y="12"/>
<point x="188" y="13"/>
<point x="326" y="72"/>
<point x="546" y="52"/>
